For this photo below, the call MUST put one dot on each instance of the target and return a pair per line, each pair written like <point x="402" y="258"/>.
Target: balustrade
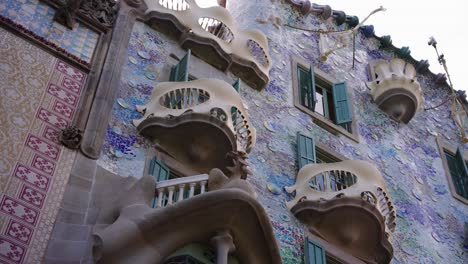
<point x="175" y="190"/>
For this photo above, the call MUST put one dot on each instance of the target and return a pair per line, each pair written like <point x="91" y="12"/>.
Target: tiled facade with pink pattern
<point x="33" y="185"/>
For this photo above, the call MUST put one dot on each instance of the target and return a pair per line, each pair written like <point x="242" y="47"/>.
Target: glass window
<point x="458" y="174"/>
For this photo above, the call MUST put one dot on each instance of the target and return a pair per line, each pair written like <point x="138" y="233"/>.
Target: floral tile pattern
<point x="38" y="17"/>
<point x="32" y="162"/>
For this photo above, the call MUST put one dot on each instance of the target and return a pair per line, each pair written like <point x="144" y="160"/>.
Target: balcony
<point x="395" y="90"/>
<point x="197" y="122"/>
<point x="175" y="190"/>
<point x="212" y="35"/>
<point x="228" y="217"/>
<point x="347" y="204"/>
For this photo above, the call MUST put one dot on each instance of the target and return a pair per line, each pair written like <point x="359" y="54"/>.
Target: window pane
<point x="319" y="105"/>
<point x="459" y="179"/>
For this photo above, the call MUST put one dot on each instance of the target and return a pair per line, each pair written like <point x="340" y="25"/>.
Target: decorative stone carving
<point x="127" y="227"/>
<point x="322" y="205"/>
<point x="368" y="197"/>
<point x="212" y="34"/>
<point x="366" y="178"/>
<point x="102" y="11"/>
<point x="223" y="104"/>
<point x="71" y="137"/>
<point x="395" y="90"/>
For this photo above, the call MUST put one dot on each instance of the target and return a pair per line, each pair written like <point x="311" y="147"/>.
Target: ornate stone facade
<point x="50" y="210"/>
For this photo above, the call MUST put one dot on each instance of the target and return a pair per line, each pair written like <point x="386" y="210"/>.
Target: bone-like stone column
<point x="224" y="245"/>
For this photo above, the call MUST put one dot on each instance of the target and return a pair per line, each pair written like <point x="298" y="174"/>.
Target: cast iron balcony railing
<point x="328" y="193"/>
<point x="212" y="34"/>
<point x="209" y="97"/>
<point x="395" y="90"/>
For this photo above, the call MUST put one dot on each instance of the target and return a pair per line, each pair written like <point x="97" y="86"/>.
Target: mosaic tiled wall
<point x="430" y="224"/>
<point x="39" y="95"/>
<point x="38" y="17"/>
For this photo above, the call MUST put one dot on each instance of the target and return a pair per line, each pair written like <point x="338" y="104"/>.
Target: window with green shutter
<point x="341" y="104"/>
<point x="458" y="172"/>
<point x="305" y="150"/>
<point x="313" y="252"/>
<point x="160" y="172"/>
<point x="180" y="72"/>
<point x="306" y="87"/>
<point x="237" y="85"/>
<point x="323" y="97"/>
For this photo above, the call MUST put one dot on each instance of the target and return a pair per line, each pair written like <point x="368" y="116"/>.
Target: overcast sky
<point x="411" y="23"/>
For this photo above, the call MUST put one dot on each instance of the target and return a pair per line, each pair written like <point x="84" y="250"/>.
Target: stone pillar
<point x="224" y="245"/>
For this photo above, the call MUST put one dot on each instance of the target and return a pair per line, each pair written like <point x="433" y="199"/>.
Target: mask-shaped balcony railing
<point x="395" y="90"/>
<point x="327" y="193"/>
<point x="213" y="36"/>
<point x="209" y="97"/>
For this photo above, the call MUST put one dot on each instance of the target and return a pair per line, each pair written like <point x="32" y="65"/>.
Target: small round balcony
<point x="395" y="90"/>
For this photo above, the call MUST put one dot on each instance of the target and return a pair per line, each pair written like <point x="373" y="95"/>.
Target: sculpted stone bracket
<point x="212" y="34"/>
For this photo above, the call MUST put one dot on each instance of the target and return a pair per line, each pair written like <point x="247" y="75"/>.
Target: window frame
<point x="445" y="147"/>
<point x="319" y="119"/>
<point x="334" y="252"/>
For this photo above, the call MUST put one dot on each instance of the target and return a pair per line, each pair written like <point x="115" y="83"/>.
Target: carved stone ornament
<point x="368" y="197"/>
<point x="71" y="137"/>
<point x="102" y="11"/>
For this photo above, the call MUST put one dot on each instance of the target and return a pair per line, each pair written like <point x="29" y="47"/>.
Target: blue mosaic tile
<point x="38" y="17"/>
<point x="406" y="155"/>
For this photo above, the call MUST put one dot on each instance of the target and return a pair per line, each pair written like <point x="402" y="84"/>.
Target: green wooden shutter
<point x="237" y="85"/>
<point x="341" y="104"/>
<point x="305" y="150"/>
<point x="313" y="253"/>
<point x="312" y="96"/>
<point x="461" y="178"/>
<point x="160" y="173"/>
<point x="180" y="73"/>
<point x="306" y="87"/>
